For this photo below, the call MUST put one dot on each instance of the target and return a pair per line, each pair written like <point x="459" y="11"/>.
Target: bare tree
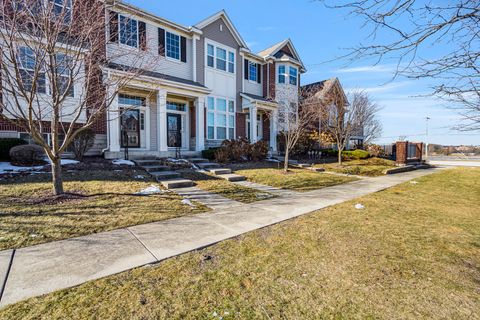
<point x="368" y="123"/>
<point x="54" y="71"/>
<point x="412" y="28"/>
<point x="295" y="119"/>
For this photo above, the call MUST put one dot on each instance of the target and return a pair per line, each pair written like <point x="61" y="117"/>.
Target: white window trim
<point x="289" y="76"/>
<point x="227" y="114"/>
<point x="256" y="72"/>
<point x="179" y="47"/>
<point x="285" y="74"/>
<point x="120" y="31"/>
<point x="228" y="50"/>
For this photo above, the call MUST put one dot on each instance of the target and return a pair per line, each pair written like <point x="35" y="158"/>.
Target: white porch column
<point x="253" y="123"/>
<point x="273" y="130"/>
<point x="200" y="124"/>
<point x="114" y="123"/>
<point x="162" y="120"/>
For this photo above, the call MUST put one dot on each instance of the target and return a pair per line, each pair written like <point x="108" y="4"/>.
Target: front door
<point x="130" y="128"/>
<point x="174" y="130"/>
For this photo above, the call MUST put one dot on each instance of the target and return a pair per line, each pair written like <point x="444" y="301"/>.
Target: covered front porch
<point x="265" y="125"/>
<point x="148" y="119"/>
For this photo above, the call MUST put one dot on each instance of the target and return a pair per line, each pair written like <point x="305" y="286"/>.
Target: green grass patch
<point x="369" y="167"/>
<point x="211" y="183"/>
<point x="296" y="179"/>
<point x="29" y="214"/>
<point x="412" y="253"/>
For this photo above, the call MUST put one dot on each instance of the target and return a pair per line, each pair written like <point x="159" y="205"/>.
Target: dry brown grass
<point x="29" y="214"/>
<point x="412" y="253"/>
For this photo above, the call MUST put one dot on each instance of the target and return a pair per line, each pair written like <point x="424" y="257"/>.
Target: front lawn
<point x="369" y="167"/>
<point x="296" y="179"/>
<point x="103" y="199"/>
<point x="211" y="183"/>
<point x="412" y="253"/>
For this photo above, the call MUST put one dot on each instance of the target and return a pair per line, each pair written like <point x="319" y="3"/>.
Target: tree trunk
<point x="57" y="177"/>
<point x="340" y="156"/>
<point x="285" y="164"/>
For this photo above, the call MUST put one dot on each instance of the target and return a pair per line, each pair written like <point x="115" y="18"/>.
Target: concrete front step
<point x="155" y="168"/>
<point x="220" y="171"/>
<point x="164" y="175"/>
<point x="177" y="183"/>
<point x="150" y="162"/>
<point x="208" y="165"/>
<point x="232" y="177"/>
<point x="198" y="160"/>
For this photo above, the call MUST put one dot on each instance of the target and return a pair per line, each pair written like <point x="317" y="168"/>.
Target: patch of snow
<point x="7" y="167"/>
<point x="33" y="235"/>
<point x="123" y="162"/>
<point x="68" y="161"/>
<point x="139" y="177"/>
<point x="413" y="182"/>
<point x="359" y="206"/>
<point x="273" y="160"/>
<point x="188" y="202"/>
<point x="153" y="189"/>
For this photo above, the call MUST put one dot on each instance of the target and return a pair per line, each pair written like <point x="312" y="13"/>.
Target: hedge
<point x="209" y="153"/>
<point x="8" y="143"/>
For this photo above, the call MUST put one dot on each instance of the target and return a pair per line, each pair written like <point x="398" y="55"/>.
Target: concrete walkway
<point x="211" y="200"/>
<point x="57" y="265"/>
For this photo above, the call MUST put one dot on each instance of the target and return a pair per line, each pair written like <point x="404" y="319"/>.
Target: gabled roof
<point x="272" y="51"/>
<point x="325" y="86"/>
<point x="223" y="15"/>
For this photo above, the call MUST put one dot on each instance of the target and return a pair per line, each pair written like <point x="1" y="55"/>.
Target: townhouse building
<point x="204" y="86"/>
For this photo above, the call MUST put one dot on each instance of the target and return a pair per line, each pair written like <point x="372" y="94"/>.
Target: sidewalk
<point x="57" y="265"/>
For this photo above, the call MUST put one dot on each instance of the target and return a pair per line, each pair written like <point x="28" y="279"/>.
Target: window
<point x="173" y="45"/>
<point x="131" y="100"/>
<point x="210" y="55"/>
<point x="62" y="8"/>
<point x="221" y="59"/>
<point x="64" y="64"/>
<point x="293" y="76"/>
<point x="220" y="119"/>
<point x="128" y="31"/>
<point x="28" y="66"/>
<point x="252" y="71"/>
<point x="176" y="106"/>
<point x="231" y="62"/>
<point x="281" y="74"/>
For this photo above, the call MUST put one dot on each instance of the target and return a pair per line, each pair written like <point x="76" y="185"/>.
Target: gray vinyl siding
<point x="253" y="88"/>
<point x="212" y="31"/>
<point x="150" y="59"/>
<point x="153" y="123"/>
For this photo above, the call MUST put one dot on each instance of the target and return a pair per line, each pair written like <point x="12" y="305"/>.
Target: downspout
<point x="108" y="125"/>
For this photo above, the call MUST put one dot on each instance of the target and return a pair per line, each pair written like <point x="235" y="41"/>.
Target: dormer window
<point x="293" y="76"/>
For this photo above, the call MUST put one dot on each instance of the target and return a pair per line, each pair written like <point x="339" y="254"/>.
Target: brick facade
<point x="266" y="127"/>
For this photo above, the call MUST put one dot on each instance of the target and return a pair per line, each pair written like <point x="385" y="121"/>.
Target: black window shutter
<point x="259" y="73"/>
<point x="161" y="42"/>
<point x="113" y="26"/>
<point x="246" y="68"/>
<point x="183" y="49"/>
<point x="142" y="31"/>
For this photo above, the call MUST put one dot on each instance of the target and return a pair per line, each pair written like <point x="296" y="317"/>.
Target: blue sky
<point x="321" y="34"/>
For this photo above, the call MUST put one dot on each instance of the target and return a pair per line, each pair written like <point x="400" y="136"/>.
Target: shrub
<point x="329" y="152"/>
<point x="355" y="154"/>
<point x="375" y="150"/>
<point x="209" y="153"/>
<point x="82" y="143"/>
<point x="27" y="155"/>
<point x="222" y="155"/>
<point x="259" y="151"/>
<point x="8" y="143"/>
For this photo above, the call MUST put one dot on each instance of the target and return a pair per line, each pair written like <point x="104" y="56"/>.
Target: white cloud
<point x="384" y="68"/>
<point x="382" y="88"/>
<point x="252" y="43"/>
